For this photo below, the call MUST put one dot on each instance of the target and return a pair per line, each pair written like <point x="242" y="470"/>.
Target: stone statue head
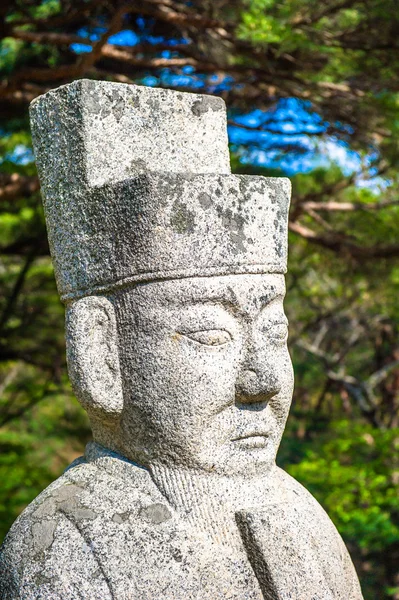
<point x="172" y="271"/>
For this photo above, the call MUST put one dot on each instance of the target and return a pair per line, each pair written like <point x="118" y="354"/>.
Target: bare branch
<point x="47" y="37"/>
<point x="340" y="243"/>
<point x="7" y="312"/>
<point x="325" y="12"/>
<point x="377" y="377"/>
<point x="90" y="59"/>
<point x="331" y="206"/>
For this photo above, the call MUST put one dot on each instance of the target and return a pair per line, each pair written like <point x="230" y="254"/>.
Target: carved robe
<point x="109" y="529"/>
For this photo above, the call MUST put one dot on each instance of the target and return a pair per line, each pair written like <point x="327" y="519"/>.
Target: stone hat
<point x="136" y="187"/>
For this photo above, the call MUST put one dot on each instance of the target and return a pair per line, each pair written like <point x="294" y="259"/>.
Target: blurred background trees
<point x="312" y="93"/>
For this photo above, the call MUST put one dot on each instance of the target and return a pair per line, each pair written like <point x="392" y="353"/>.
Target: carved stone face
<point x="206" y="372"/>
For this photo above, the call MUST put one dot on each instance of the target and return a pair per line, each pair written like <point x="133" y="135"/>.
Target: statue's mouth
<point x="252" y="440"/>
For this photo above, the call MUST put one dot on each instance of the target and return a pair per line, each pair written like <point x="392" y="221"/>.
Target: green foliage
<point x="353" y="471"/>
<point x="36" y="447"/>
<point x="9" y="52"/>
<point x="41" y="9"/>
<point x="265" y="22"/>
<point x="361" y="466"/>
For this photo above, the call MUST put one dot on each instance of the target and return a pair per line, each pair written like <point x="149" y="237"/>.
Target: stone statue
<point x="172" y="272"/>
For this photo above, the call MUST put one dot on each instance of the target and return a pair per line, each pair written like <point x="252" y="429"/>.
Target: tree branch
<point x="339" y="243"/>
<point x="7" y="312"/>
<point x="332" y="206"/>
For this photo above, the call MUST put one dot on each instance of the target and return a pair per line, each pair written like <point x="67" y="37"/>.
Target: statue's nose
<point x="252" y="387"/>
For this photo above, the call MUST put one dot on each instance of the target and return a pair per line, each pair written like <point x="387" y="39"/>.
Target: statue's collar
<point x="113" y="463"/>
<point x="184" y="487"/>
<point x="205" y="501"/>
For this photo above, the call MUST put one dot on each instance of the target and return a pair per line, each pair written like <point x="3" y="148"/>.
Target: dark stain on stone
<point x="206" y="103"/>
<point x="276" y="192"/>
<point x="265" y="300"/>
<point x="233" y="295"/>
<point x="156" y="513"/>
<point x="177" y="555"/>
<point x="41" y="579"/>
<point x="93" y="103"/>
<point x="45" y="509"/>
<point x="279" y="236"/>
<point x="134" y="101"/>
<point x="67" y="501"/>
<point x="118" y="105"/>
<point x="138" y="166"/>
<point x="66" y="492"/>
<point x="97" y="574"/>
<point x="83" y="514"/>
<point x="244" y="185"/>
<point x="68" y="505"/>
<point x="232" y="220"/>
<point x="120" y="517"/>
<point x="182" y="219"/>
<point x="205" y="200"/>
<point x="167" y="188"/>
<point x="154" y="105"/>
<point x="279" y="247"/>
<point x="238" y="241"/>
<point x="43" y="535"/>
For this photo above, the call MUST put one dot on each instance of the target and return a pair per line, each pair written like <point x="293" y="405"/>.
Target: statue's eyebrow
<point x="228" y="300"/>
<point x="268" y="299"/>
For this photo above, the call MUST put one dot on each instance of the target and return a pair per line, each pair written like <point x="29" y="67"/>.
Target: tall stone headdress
<point x="137" y="187"/>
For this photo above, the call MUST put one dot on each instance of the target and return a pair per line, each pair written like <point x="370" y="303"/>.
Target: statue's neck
<point x="184" y="487"/>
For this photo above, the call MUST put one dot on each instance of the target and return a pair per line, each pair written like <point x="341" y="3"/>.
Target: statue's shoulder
<point x="296" y="498"/>
<point x="38" y="540"/>
<point x="49" y="552"/>
<point x="294" y="515"/>
<point x="291" y="488"/>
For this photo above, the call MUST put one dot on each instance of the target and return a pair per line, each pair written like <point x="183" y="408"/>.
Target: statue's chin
<point x="254" y="457"/>
<point x="248" y="457"/>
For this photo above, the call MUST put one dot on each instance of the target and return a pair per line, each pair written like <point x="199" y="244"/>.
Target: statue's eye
<point x="210" y="337"/>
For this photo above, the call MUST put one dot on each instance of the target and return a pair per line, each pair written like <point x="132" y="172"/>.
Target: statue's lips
<point x="253" y="440"/>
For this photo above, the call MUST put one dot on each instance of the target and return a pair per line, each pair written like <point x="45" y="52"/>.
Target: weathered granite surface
<point x="89" y="133"/>
<point x="108" y="529"/>
<point x="176" y="347"/>
<point x="123" y="233"/>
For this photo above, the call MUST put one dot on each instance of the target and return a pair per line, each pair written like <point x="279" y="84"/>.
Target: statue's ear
<point x="92" y="356"/>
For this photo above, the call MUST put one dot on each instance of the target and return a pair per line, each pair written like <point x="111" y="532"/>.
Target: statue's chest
<point x="152" y="556"/>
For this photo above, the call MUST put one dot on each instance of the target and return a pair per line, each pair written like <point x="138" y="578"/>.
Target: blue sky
<point x="289" y="136"/>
